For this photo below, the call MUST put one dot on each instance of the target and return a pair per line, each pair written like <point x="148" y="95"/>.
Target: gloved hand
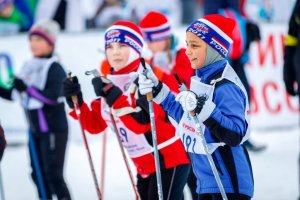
<point x="101" y="86"/>
<point x="147" y="80"/>
<point x="190" y="101"/>
<point x="19" y="85"/>
<point x="289" y="72"/>
<point x="72" y="88"/>
<point x="105" y="88"/>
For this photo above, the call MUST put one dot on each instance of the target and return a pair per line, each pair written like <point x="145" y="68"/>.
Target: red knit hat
<point x="125" y="32"/>
<point x="215" y="30"/>
<point x="155" y="26"/>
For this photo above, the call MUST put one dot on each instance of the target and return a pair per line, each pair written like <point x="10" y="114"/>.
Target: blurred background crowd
<point x="81" y="15"/>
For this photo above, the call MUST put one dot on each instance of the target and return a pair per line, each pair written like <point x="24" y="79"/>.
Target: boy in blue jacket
<point x="220" y="101"/>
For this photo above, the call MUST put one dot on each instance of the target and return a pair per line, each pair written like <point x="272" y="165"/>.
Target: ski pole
<point x="137" y="196"/>
<point x="36" y="165"/>
<point x="77" y="110"/>
<point x="199" y="130"/>
<point x="103" y="166"/>
<point x="211" y="161"/>
<point x="1" y="185"/>
<point x="35" y="158"/>
<point x="96" y="73"/>
<point x="154" y="138"/>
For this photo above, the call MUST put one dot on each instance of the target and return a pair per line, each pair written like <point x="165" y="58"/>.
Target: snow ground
<point x="275" y="170"/>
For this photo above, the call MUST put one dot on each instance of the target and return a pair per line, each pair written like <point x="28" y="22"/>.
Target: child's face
<point x="39" y="46"/>
<point x="158" y="46"/>
<point x="196" y="50"/>
<point x="117" y="55"/>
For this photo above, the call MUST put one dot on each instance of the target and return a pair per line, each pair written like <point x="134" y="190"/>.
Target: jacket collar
<point x="207" y="72"/>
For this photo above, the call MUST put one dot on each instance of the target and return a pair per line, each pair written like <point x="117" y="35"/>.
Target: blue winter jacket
<point x="226" y="124"/>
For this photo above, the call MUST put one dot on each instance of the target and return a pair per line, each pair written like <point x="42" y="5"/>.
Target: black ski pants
<point x="173" y="182"/>
<point x="218" y="196"/>
<point x="50" y="150"/>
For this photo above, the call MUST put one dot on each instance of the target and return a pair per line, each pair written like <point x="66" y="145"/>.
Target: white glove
<point x="188" y="100"/>
<point x="201" y="105"/>
<point x="147" y="79"/>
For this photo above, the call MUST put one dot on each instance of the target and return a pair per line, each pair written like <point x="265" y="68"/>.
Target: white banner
<point x="271" y="107"/>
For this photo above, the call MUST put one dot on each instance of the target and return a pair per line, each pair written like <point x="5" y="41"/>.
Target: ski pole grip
<point x="149" y="95"/>
<point x="193" y="113"/>
<point x="182" y="86"/>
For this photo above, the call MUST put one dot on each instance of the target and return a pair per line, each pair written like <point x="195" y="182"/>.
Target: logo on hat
<point x="112" y="34"/>
<point x="200" y="27"/>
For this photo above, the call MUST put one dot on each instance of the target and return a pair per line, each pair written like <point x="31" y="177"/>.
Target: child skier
<point x="38" y="87"/>
<point x="220" y="102"/>
<point x="168" y="59"/>
<point x="118" y="94"/>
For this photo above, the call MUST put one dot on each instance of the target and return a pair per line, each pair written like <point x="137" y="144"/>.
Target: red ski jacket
<point x="131" y="115"/>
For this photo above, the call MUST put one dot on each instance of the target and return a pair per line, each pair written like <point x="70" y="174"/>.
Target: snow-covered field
<point x="275" y="169"/>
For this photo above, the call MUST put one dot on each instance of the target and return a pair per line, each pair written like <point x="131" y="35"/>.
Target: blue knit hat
<point x="215" y="30"/>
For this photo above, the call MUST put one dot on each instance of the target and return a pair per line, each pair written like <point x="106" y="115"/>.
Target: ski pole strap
<point x="182" y="86"/>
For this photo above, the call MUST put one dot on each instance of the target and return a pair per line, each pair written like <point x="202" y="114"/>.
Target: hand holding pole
<point x="77" y="110"/>
<point x="182" y="87"/>
<point x="154" y="138"/>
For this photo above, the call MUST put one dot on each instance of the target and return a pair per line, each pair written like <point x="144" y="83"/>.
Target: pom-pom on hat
<point x="155" y="26"/>
<point x="125" y="32"/>
<point x="215" y="30"/>
<point x="47" y="29"/>
<point x="4" y="4"/>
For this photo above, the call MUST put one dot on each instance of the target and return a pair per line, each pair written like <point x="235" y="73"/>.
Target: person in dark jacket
<point x="38" y="88"/>
<point x="291" y="67"/>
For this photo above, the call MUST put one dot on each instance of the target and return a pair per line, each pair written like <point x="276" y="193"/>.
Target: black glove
<point x="289" y="72"/>
<point x="70" y="101"/>
<point x="72" y="88"/>
<point x="200" y="103"/>
<point x="19" y="85"/>
<point x="105" y="88"/>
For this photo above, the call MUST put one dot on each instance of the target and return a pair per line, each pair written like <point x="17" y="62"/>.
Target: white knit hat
<point x="47" y="29"/>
